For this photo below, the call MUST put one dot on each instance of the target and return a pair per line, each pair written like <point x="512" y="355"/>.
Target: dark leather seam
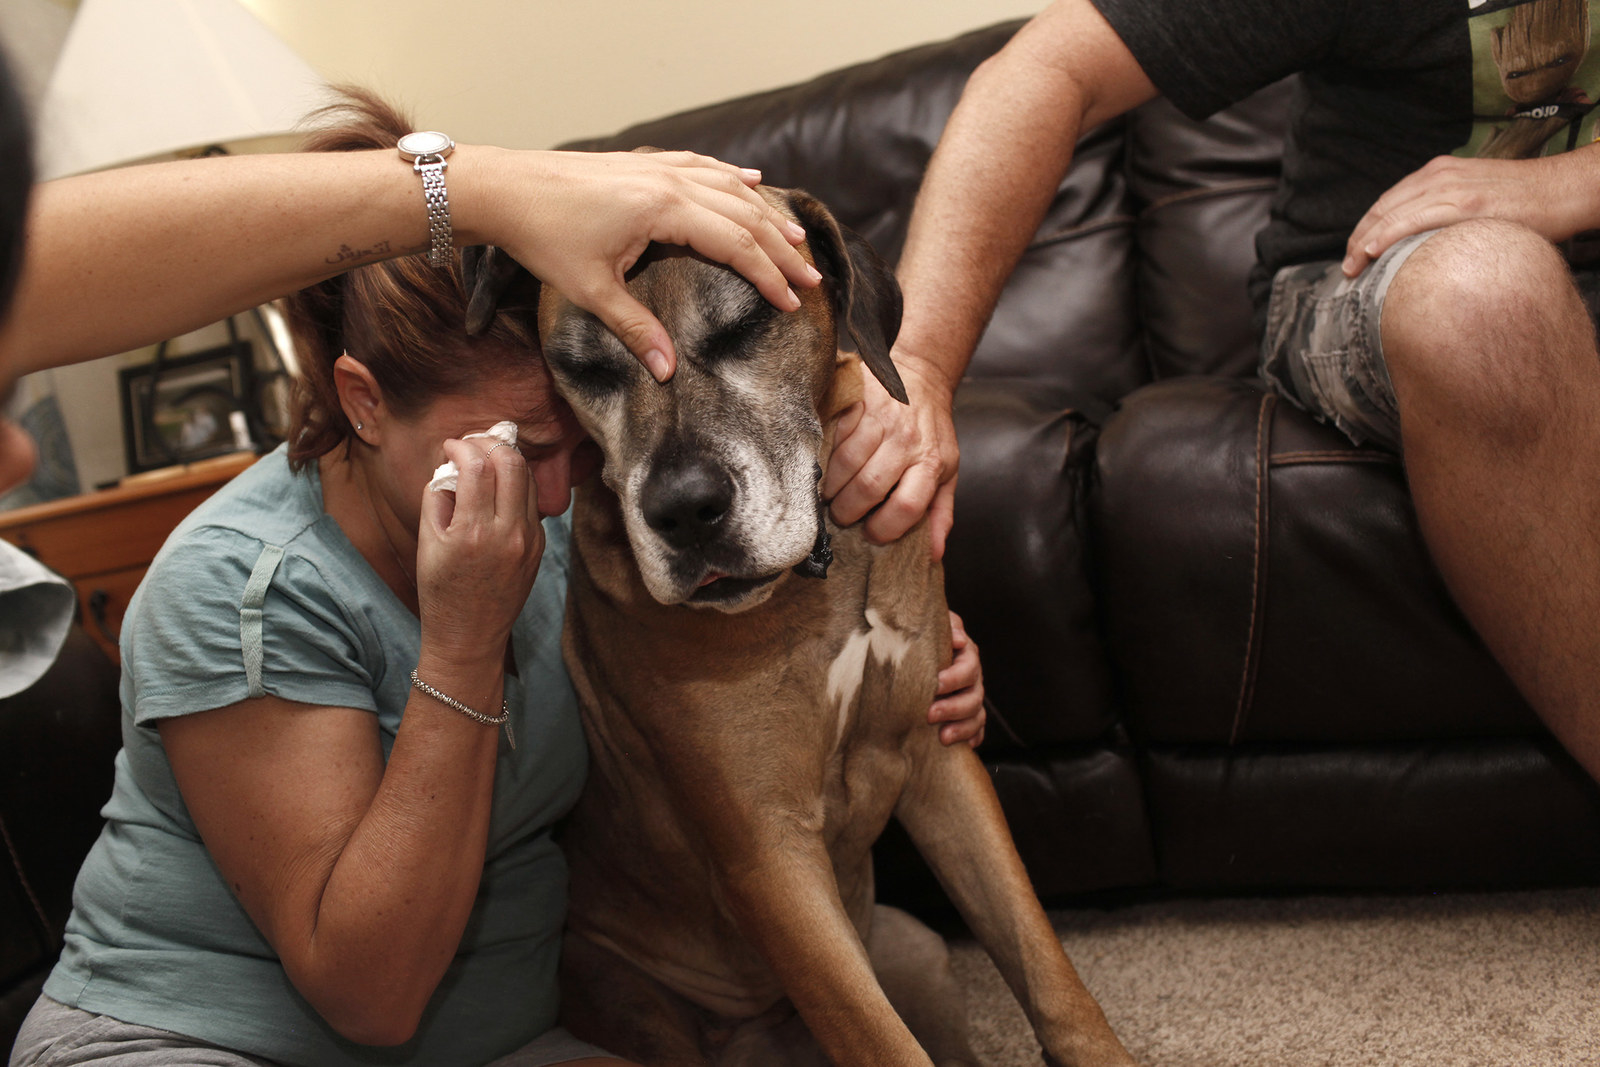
<point x="1085" y="230"/>
<point x="1258" y="590"/>
<point x="27" y="887"/>
<point x="1290" y="459"/>
<point x="1257" y="185"/>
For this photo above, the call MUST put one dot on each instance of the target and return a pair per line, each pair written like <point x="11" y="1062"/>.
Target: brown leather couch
<point x="1218" y="657"/>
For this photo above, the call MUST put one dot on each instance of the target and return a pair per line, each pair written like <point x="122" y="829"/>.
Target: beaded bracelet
<point x="504" y="718"/>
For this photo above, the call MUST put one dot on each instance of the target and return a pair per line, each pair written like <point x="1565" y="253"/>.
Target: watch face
<point x="424" y="143"/>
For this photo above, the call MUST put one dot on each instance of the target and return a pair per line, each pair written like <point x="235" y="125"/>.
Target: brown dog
<point x="752" y="729"/>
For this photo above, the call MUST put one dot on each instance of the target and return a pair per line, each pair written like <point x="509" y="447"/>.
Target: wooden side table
<point x="102" y="542"/>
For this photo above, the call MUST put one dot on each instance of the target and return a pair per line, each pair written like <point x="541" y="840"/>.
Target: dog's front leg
<point x="950" y="810"/>
<point x="779" y="884"/>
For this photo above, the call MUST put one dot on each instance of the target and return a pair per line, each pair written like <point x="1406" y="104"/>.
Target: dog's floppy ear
<point x="492" y="278"/>
<point x="866" y="297"/>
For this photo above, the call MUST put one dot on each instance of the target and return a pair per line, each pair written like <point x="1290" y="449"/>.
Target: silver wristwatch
<point x="426" y="151"/>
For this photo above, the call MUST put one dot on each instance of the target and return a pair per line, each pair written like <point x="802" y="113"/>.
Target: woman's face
<point x="559" y="454"/>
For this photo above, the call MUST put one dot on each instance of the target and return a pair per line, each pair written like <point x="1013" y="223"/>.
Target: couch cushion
<point x="1427" y="815"/>
<point x="1263" y="580"/>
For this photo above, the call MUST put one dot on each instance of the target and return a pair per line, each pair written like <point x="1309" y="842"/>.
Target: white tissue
<point x="444" y="477"/>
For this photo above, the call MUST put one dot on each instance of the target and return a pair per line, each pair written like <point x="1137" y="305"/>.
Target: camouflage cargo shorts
<point x="1323" y="350"/>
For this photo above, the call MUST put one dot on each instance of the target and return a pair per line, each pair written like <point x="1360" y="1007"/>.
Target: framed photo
<point x="187" y="408"/>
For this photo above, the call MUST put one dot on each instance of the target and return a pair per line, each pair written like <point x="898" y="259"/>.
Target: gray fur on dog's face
<point x="717" y="469"/>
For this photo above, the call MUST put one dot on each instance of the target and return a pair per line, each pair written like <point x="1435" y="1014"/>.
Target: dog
<point x="754" y="683"/>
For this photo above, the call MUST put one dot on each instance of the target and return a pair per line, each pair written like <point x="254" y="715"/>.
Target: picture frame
<point x="187" y="408"/>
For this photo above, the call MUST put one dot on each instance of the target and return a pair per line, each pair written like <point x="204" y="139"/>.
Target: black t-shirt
<point x="1385" y="86"/>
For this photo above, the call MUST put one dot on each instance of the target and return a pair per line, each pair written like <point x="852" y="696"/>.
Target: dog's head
<point x="717" y="470"/>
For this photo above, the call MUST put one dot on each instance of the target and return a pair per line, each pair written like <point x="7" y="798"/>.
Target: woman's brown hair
<point x="401" y="318"/>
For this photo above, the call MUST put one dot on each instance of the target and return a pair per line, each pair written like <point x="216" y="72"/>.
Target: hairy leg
<point x="1494" y="364"/>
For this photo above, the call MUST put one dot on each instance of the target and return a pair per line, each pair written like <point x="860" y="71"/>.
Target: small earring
<point x="361" y="426"/>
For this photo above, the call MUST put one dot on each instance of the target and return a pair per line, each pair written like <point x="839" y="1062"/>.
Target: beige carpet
<point x="1476" y="980"/>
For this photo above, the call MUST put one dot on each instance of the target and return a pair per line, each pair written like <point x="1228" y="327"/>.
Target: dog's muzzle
<point x="816" y="565"/>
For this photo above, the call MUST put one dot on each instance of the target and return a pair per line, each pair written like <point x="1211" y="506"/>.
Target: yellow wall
<point x="524" y="74"/>
<point x="533" y="73"/>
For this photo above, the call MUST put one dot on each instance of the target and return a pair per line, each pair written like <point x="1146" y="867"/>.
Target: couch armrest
<point x="1016" y="567"/>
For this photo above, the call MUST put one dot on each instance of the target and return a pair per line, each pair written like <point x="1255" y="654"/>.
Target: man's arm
<point x="989" y="183"/>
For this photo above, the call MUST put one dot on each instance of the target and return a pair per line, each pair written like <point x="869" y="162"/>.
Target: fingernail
<point x="797" y="231"/>
<point x="794" y="301"/>
<point x="656" y="360"/>
<point x="751" y="174"/>
<point x="814" y="273"/>
<point x="1349" y="264"/>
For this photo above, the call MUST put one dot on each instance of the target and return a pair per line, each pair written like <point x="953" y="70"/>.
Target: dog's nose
<point x="686" y="502"/>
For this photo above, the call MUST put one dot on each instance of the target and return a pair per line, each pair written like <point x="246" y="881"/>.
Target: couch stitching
<point x="1251" y="185"/>
<point x="1289" y="459"/>
<point x="22" y="879"/>
<point x="1083" y="230"/>
<point x="1258" y="583"/>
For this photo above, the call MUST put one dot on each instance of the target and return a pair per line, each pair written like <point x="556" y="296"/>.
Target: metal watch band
<point x="426" y="152"/>
<point x="433" y="193"/>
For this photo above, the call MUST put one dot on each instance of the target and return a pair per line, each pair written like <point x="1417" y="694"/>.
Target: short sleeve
<point x="1206" y="54"/>
<point x="222" y="617"/>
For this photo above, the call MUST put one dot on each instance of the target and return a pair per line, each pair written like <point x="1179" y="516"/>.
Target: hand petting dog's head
<point x="717" y="469"/>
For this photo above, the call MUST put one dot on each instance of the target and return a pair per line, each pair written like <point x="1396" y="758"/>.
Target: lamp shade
<point x="140" y="79"/>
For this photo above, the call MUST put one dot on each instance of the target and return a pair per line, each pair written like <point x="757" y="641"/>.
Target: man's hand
<point x="897" y="458"/>
<point x="1551" y="195"/>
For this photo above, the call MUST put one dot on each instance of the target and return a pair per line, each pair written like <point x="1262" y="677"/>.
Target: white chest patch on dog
<point x="879" y="641"/>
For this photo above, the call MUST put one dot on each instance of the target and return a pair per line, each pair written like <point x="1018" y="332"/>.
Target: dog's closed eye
<point x="587" y="359"/>
<point x="594" y="378"/>
<point x="738" y="339"/>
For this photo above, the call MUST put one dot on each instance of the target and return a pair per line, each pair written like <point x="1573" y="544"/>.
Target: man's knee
<point x="1483" y="322"/>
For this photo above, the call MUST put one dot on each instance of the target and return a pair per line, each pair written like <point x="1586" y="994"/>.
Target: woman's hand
<point x="478" y="552"/>
<point x="593" y="214"/>
<point x="959" y="705"/>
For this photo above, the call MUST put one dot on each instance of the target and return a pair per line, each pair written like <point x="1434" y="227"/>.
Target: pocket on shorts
<point x="1294" y="309"/>
<point x="1316" y="354"/>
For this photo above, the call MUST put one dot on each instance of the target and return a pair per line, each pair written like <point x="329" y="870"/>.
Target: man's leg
<point x="1493" y="360"/>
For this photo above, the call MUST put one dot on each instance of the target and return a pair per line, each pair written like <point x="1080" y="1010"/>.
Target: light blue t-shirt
<point x="259" y="591"/>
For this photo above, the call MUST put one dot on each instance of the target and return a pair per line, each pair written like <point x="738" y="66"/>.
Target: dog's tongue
<point x="714" y="576"/>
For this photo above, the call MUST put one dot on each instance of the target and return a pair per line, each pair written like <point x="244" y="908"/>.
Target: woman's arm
<point x="128" y="257"/>
<point x="361" y="874"/>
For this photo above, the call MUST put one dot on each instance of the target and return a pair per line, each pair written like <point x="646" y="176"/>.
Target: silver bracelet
<point x="504" y="718"/>
<point x="426" y="152"/>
